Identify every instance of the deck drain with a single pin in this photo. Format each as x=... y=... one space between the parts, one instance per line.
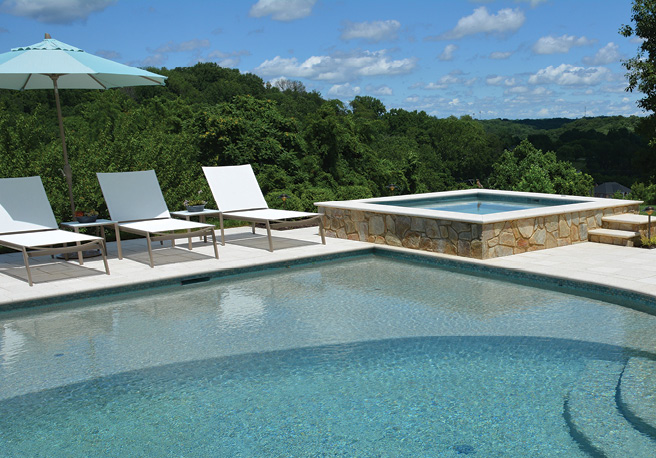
x=191 y=281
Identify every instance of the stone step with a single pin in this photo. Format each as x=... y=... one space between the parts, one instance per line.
x=637 y=395
x=594 y=419
x=614 y=237
x=629 y=222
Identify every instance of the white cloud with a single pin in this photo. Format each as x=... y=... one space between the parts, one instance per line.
x=562 y=44
x=480 y=21
x=228 y=60
x=344 y=90
x=371 y=31
x=191 y=45
x=498 y=55
x=533 y=3
x=282 y=10
x=569 y=75
x=499 y=80
x=338 y=67
x=112 y=55
x=380 y=90
x=54 y=11
x=606 y=55
x=447 y=54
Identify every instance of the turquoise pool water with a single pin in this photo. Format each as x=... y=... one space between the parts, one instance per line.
x=480 y=204
x=362 y=357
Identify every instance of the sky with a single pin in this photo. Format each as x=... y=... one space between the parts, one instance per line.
x=510 y=59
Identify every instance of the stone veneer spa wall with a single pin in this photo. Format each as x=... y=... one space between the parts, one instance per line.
x=480 y=240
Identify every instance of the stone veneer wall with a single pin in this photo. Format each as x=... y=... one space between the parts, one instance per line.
x=472 y=240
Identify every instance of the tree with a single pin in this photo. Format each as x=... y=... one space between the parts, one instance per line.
x=528 y=169
x=641 y=69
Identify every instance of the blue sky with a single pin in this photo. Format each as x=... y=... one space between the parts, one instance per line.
x=507 y=58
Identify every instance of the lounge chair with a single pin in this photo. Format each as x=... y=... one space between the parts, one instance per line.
x=239 y=197
x=135 y=200
x=27 y=224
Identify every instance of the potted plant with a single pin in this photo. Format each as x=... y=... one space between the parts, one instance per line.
x=86 y=216
x=195 y=205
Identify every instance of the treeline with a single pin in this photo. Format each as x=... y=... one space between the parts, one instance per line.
x=300 y=144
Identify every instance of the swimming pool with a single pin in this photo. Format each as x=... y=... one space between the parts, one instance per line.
x=358 y=357
x=480 y=203
x=474 y=223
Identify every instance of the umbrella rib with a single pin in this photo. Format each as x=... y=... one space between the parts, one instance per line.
x=152 y=80
x=96 y=80
x=26 y=81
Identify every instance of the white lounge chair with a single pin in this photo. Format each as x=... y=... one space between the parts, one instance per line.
x=27 y=224
x=135 y=200
x=239 y=197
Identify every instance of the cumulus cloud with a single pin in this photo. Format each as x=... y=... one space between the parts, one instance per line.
x=113 y=55
x=481 y=21
x=533 y=3
x=344 y=90
x=190 y=45
x=606 y=55
x=380 y=90
x=228 y=60
x=372 y=32
x=54 y=11
x=569 y=75
x=282 y=10
x=499 y=80
x=498 y=55
x=559 y=45
x=338 y=67
x=447 y=54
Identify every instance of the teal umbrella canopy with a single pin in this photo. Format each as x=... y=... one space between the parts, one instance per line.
x=52 y=64
x=32 y=67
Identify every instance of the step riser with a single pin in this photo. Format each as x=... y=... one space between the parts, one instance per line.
x=614 y=240
x=642 y=228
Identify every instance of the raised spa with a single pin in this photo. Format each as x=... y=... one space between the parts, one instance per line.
x=475 y=223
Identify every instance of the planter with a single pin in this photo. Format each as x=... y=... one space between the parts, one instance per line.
x=86 y=219
x=195 y=208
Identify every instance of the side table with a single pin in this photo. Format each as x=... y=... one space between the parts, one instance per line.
x=101 y=223
x=201 y=216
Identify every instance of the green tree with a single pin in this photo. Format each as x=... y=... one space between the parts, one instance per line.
x=528 y=169
x=641 y=69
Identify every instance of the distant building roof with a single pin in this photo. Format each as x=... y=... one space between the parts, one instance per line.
x=609 y=188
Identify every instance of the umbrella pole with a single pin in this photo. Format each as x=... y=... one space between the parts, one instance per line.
x=67 y=168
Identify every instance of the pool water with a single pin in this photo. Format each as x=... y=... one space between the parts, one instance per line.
x=362 y=357
x=480 y=204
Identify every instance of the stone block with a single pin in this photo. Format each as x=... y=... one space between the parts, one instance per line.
x=349 y=226
x=402 y=226
x=431 y=229
x=507 y=238
x=538 y=238
x=357 y=215
x=526 y=227
x=563 y=227
x=341 y=233
x=444 y=231
x=412 y=240
x=494 y=241
x=354 y=236
x=477 y=249
x=376 y=225
x=501 y=250
x=417 y=224
x=464 y=248
x=461 y=227
x=392 y=240
x=551 y=223
x=453 y=235
x=390 y=221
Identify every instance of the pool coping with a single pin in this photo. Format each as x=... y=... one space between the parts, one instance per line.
x=371 y=205
x=626 y=297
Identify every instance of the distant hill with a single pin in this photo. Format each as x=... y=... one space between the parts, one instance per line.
x=555 y=127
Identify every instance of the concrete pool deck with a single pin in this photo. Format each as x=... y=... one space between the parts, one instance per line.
x=627 y=268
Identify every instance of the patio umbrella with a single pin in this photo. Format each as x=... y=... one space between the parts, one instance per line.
x=52 y=64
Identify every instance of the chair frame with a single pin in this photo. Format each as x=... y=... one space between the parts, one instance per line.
x=143 y=188
x=252 y=199
x=40 y=222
